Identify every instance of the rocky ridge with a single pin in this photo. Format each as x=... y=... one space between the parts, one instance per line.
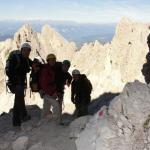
x=122 y=124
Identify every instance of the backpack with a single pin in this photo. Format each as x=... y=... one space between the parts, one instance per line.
x=34 y=75
x=9 y=83
x=87 y=84
x=11 y=55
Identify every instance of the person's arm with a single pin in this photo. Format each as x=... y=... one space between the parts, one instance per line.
x=69 y=79
x=72 y=92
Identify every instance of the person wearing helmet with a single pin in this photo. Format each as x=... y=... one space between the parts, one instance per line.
x=67 y=77
x=81 y=89
x=17 y=66
x=63 y=78
x=47 y=82
x=25 y=49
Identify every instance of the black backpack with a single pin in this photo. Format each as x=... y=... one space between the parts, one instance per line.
x=11 y=55
x=9 y=82
x=34 y=75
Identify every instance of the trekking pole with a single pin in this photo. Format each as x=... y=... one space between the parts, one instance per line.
x=6 y=87
x=30 y=93
x=40 y=56
x=6 y=81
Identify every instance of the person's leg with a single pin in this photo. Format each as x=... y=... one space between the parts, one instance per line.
x=55 y=108
x=84 y=109
x=46 y=107
x=60 y=101
x=19 y=109
x=78 y=109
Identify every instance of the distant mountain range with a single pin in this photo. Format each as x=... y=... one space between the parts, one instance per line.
x=72 y=31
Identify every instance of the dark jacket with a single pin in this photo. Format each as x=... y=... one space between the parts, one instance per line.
x=81 y=90
x=61 y=77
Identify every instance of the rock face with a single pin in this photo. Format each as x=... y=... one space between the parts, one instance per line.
x=48 y=41
x=20 y=143
x=53 y=42
x=126 y=124
x=112 y=65
x=35 y=134
x=109 y=66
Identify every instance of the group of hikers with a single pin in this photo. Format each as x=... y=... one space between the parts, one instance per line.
x=49 y=79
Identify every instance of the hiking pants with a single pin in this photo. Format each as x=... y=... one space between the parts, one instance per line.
x=60 y=101
x=48 y=102
x=82 y=109
x=19 y=109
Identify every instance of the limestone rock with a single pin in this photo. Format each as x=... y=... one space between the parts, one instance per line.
x=48 y=41
x=123 y=127
x=114 y=64
x=20 y=143
x=52 y=42
x=77 y=126
x=37 y=146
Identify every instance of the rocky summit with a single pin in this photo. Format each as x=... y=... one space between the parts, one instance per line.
x=120 y=108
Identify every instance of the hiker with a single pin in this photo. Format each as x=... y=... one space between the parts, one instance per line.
x=63 y=78
x=146 y=67
x=48 y=89
x=17 y=66
x=81 y=89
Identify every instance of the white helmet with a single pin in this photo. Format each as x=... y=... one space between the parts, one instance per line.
x=26 y=45
x=75 y=72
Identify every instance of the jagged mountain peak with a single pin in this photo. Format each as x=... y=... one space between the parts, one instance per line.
x=125 y=20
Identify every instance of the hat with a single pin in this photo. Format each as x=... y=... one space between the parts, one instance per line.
x=26 y=45
x=75 y=72
x=67 y=62
x=50 y=56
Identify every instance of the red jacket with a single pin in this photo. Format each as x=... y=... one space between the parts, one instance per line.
x=47 y=80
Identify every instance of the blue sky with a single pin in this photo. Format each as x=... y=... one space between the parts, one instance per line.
x=84 y=11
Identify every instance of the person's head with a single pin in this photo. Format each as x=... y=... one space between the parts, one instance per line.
x=75 y=74
x=25 y=49
x=66 y=65
x=148 y=41
x=51 y=59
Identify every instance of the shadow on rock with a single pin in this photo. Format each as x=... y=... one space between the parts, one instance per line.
x=6 y=118
x=102 y=100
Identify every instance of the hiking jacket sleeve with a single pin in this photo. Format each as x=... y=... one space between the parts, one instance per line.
x=68 y=79
x=73 y=91
x=47 y=81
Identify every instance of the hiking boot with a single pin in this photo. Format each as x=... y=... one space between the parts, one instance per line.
x=26 y=118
